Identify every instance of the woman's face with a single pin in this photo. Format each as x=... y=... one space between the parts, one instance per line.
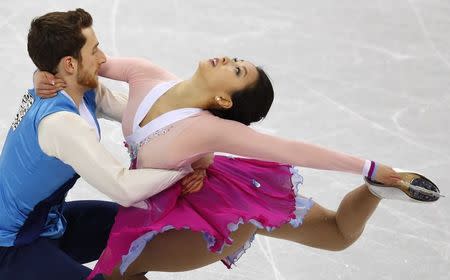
x=227 y=75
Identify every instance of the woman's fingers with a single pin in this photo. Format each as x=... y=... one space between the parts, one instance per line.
x=387 y=175
x=50 y=78
x=56 y=87
x=60 y=85
x=47 y=85
x=47 y=93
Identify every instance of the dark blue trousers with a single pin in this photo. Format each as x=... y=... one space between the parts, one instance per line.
x=88 y=226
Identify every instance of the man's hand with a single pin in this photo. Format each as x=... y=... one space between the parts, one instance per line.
x=204 y=162
x=46 y=84
x=193 y=182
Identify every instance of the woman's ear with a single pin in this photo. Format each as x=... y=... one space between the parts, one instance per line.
x=223 y=101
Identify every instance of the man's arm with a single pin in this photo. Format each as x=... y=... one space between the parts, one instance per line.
x=110 y=105
x=68 y=137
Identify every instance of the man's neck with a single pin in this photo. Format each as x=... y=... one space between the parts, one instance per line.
x=76 y=92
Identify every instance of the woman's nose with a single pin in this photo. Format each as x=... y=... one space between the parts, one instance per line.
x=225 y=60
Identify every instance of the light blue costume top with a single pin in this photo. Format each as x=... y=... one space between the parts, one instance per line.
x=33 y=185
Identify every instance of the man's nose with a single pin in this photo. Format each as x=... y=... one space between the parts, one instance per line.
x=102 y=57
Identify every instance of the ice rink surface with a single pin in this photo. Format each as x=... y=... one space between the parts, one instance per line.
x=371 y=78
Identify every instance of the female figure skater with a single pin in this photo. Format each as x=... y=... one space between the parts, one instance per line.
x=169 y=123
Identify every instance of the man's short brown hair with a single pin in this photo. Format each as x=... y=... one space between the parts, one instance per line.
x=56 y=35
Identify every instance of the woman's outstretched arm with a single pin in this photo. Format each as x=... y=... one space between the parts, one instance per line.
x=212 y=134
x=139 y=73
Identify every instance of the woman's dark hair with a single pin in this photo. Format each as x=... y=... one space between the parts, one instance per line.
x=250 y=104
x=56 y=35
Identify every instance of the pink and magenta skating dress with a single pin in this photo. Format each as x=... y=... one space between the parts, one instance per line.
x=236 y=190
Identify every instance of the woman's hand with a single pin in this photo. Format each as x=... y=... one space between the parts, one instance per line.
x=46 y=84
x=386 y=175
x=193 y=182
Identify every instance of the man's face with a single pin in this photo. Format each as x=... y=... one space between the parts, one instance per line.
x=91 y=59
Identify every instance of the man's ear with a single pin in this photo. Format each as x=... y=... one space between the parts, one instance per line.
x=224 y=101
x=69 y=64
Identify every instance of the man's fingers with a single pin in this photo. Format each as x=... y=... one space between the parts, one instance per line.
x=194 y=175
x=188 y=180
x=200 y=172
x=191 y=179
x=188 y=185
x=193 y=182
x=193 y=187
x=198 y=186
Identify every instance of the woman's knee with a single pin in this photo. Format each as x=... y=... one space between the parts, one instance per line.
x=346 y=240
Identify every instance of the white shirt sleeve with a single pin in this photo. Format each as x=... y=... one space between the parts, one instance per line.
x=68 y=137
x=110 y=105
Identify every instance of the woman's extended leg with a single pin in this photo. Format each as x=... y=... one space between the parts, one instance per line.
x=180 y=250
x=329 y=230
x=184 y=250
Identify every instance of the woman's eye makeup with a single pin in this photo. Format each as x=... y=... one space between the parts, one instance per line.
x=238 y=69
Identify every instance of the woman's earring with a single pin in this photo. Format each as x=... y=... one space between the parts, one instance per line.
x=217 y=98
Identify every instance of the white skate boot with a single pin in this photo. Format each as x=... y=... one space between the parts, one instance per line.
x=415 y=187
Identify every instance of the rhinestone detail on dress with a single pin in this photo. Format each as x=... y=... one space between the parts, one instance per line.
x=133 y=149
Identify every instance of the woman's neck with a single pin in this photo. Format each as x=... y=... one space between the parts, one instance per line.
x=185 y=94
x=188 y=94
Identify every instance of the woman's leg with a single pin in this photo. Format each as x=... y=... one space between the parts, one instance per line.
x=329 y=230
x=175 y=251
x=180 y=250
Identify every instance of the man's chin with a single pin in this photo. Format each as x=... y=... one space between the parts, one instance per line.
x=94 y=83
x=90 y=84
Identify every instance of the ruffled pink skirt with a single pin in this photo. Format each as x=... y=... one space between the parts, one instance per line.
x=236 y=191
